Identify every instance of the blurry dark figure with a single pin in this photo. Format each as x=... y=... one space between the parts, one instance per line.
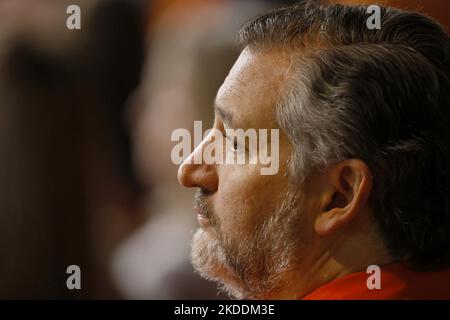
x=66 y=190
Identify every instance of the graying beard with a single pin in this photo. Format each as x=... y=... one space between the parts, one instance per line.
x=251 y=273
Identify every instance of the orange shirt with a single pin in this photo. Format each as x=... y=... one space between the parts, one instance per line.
x=397 y=282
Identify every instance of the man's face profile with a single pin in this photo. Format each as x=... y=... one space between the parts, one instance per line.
x=244 y=223
x=257 y=231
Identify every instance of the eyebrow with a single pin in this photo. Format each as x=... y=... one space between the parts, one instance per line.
x=226 y=116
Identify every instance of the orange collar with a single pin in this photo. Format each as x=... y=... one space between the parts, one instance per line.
x=397 y=282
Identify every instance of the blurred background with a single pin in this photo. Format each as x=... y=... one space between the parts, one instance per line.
x=85 y=123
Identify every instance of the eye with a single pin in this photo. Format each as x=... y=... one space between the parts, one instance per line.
x=235 y=144
x=236 y=147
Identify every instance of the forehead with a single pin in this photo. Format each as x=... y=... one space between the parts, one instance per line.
x=253 y=87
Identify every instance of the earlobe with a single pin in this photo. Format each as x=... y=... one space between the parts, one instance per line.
x=347 y=189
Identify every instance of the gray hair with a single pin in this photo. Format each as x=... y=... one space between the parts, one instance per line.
x=378 y=95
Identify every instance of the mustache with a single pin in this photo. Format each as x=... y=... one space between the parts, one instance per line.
x=200 y=202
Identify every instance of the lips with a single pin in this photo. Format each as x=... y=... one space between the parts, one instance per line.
x=201 y=217
x=204 y=213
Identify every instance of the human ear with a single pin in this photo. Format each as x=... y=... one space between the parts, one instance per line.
x=346 y=193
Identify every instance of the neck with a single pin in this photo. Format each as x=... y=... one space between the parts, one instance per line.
x=350 y=251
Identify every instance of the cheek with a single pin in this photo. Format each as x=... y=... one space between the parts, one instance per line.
x=245 y=198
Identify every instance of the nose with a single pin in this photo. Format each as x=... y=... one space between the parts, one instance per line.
x=193 y=175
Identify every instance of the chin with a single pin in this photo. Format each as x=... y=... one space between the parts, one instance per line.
x=209 y=258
